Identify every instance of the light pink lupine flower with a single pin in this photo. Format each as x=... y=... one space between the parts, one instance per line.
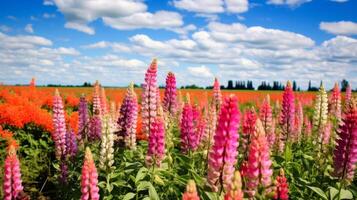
x=348 y=94
x=223 y=155
x=345 y=153
x=103 y=102
x=12 y=183
x=149 y=98
x=266 y=116
x=258 y=170
x=156 y=147
x=170 y=96
x=235 y=188
x=287 y=112
x=299 y=120
x=210 y=128
x=96 y=99
x=335 y=103
x=217 y=95
x=89 y=179
x=59 y=125
x=327 y=134
x=307 y=127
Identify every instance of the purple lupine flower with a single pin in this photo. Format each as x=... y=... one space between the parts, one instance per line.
x=345 y=153
x=64 y=172
x=170 y=103
x=95 y=128
x=149 y=98
x=156 y=147
x=71 y=144
x=83 y=120
x=223 y=155
x=59 y=124
x=128 y=116
x=287 y=116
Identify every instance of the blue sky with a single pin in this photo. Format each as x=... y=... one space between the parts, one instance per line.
x=72 y=41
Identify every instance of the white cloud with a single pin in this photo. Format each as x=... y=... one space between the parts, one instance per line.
x=48 y=3
x=48 y=15
x=4 y=28
x=158 y=20
x=202 y=71
x=29 y=28
x=80 y=27
x=118 y=47
x=212 y=6
x=291 y=3
x=339 y=1
x=340 y=28
x=21 y=41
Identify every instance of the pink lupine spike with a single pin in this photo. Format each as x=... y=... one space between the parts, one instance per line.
x=326 y=134
x=170 y=96
x=59 y=124
x=128 y=116
x=348 y=94
x=345 y=153
x=266 y=116
x=258 y=169
x=248 y=129
x=217 y=95
x=299 y=120
x=281 y=187
x=156 y=148
x=96 y=99
x=103 y=102
x=210 y=128
x=187 y=129
x=149 y=98
x=89 y=179
x=335 y=103
x=12 y=183
x=307 y=127
x=287 y=112
x=235 y=188
x=223 y=154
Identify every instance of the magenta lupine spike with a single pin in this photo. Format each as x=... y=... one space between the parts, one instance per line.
x=248 y=129
x=170 y=97
x=266 y=116
x=83 y=117
x=217 y=95
x=156 y=147
x=128 y=116
x=96 y=99
x=89 y=179
x=59 y=125
x=103 y=102
x=223 y=154
x=348 y=94
x=149 y=98
x=345 y=153
x=299 y=120
x=201 y=128
x=335 y=103
x=95 y=128
x=187 y=129
x=287 y=116
x=258 y=170
x=12 y=183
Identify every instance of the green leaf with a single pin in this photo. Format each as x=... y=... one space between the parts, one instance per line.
x=152 y=193
x=333 y=193
x=129 y=196
x=346 y=194
x=318 y=191
x=143 y=185
x=141 y=174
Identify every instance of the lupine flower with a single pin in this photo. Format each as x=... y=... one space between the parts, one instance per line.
x=223 y=155
x=170 y=97
x=307 y=127
x=103 y=102
x=299 y=120
x=321 y=109
x=345 y=153
x=12 y=183
x=83 y=121
x=335 y=103
x=326 y=134
x=107 y=142
x=266 y=116
x=96 y=99
x=71 y=144
x=348 y=94
x=95 y=128
x=210 y=128
x=282 y=187
x=128 y=118
x=156 y=148
x=287 y=111
x=64 y=171
x=235 y=188
x=113 y=112
x=248 y=129
x=89 y=179
x=187 y=129
x=191 y=191
x=59 y=124
x=217 y=96
x=149 y=98
x=258 y=170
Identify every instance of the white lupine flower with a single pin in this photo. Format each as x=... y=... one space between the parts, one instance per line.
x=106 y=160
x=321 y=109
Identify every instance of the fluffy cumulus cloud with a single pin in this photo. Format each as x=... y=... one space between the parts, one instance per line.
x=201 y=71
x=29 y=28
x=291 y=3
x=212 y=6
x=121 y=14
x=340 y=28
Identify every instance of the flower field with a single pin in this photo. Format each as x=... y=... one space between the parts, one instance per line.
x=150 y=143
